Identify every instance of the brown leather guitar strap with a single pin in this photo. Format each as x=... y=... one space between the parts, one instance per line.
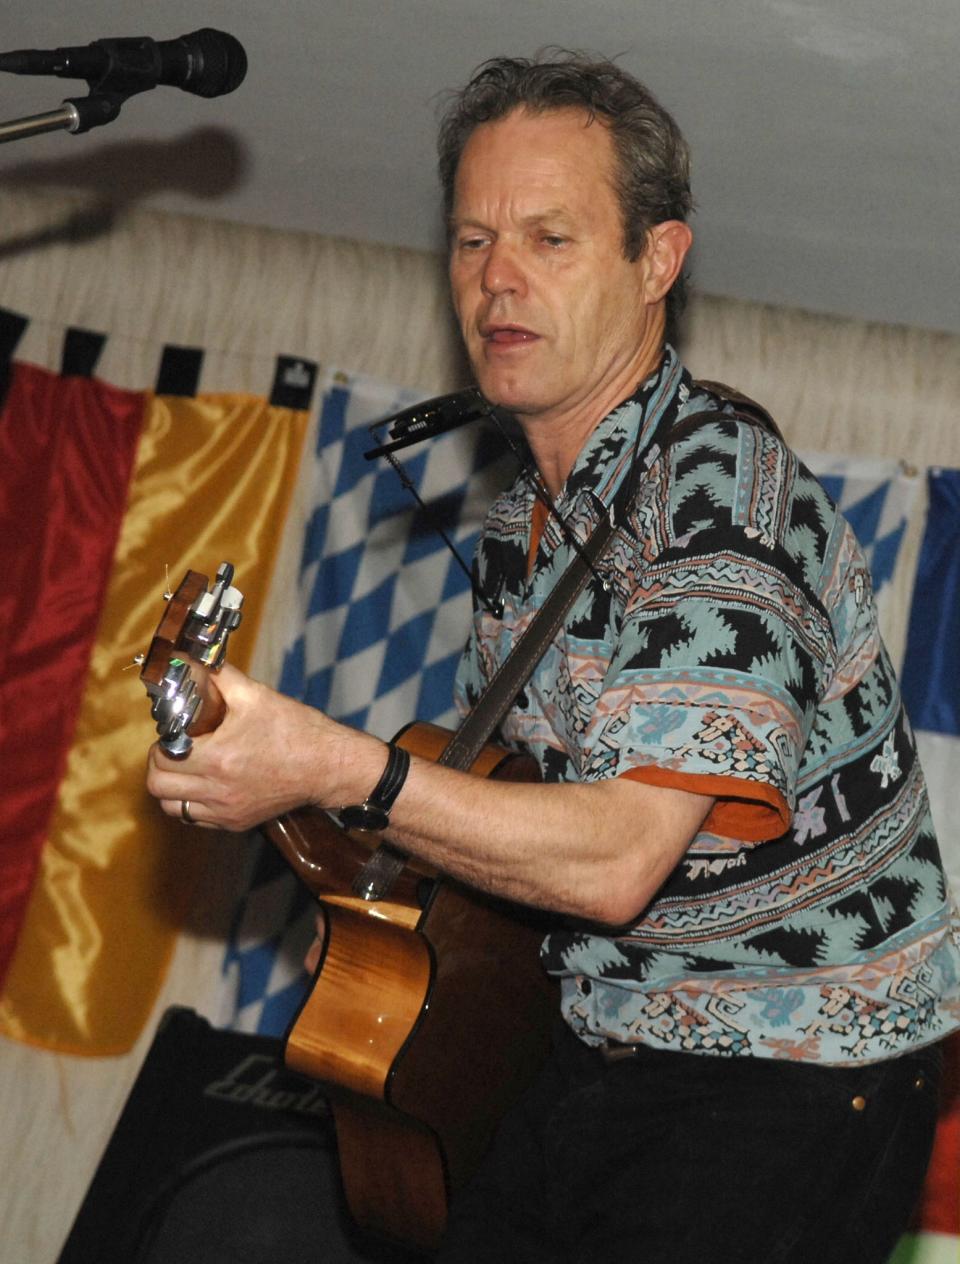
x=516 y=669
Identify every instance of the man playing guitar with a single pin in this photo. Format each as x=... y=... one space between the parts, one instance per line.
x=755 y=951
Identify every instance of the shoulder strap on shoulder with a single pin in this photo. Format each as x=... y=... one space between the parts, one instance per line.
x=744 y=407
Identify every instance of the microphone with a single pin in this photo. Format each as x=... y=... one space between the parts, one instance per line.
x=208 y=63
x=429 y=418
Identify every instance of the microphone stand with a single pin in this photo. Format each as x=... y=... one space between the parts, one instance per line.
x=77 y=114
x=34 y=124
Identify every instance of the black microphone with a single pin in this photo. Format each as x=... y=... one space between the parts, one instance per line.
x=208 y=63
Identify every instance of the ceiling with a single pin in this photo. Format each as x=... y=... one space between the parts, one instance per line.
x=824 y=132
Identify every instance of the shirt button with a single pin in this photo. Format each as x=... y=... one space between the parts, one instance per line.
x=859 y=1103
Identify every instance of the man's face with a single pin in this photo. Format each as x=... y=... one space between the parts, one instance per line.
x=551 y=312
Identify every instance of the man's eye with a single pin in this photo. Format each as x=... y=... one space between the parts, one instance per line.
x=472 y=243
x=553 y=239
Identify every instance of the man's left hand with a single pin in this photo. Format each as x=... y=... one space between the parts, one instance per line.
x=270 y=754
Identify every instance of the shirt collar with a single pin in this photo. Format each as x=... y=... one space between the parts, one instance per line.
x=606 y=457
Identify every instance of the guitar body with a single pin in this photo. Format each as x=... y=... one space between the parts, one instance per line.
x=429 y=1011
x=428 y=1015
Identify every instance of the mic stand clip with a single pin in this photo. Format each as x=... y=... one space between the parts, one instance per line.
x=133 y=66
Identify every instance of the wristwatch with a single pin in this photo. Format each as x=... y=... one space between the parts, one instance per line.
x=374 y=812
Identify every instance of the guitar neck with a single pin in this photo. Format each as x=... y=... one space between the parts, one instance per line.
x=185 y=653
x=212 y=706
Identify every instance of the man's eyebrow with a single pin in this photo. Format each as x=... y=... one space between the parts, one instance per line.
x=463 y=221
x=553 y=215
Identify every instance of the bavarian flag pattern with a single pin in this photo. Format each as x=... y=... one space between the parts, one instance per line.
x=728 y=646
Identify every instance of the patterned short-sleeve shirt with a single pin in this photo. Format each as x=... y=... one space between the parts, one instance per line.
x=728 y=645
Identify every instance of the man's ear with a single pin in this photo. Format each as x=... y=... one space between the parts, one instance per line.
x=664 y=252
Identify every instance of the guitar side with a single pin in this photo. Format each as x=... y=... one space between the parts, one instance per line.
x=424 y=1028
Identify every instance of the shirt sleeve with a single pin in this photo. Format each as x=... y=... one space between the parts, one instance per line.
x=716 y=678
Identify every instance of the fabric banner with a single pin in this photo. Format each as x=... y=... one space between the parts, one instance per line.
x=210 y=482
x=383 y=612
x=67 y=449
x=878 y=498
x=931 y=687
x=931 y=673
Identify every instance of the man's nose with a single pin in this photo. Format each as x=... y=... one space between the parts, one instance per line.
x=503 y=271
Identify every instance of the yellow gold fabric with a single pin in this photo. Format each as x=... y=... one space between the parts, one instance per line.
x=211 y=484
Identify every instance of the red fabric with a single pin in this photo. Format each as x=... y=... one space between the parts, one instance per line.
x=67 y=447
x=939 y=1210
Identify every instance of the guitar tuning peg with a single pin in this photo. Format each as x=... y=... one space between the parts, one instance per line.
x=139 y=659
x=167 y=595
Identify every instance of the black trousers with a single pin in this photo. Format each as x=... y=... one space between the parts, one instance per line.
x=693 y=1159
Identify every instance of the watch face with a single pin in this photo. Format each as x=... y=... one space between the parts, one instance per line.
x=364 y=816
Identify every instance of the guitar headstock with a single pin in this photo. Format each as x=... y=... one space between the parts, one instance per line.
x=189 y=643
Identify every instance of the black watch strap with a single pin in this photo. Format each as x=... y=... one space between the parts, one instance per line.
x=374 y=812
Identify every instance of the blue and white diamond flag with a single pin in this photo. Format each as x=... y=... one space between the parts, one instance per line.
x=383 y=610
x=878 y=497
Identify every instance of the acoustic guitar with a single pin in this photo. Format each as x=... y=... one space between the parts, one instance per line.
x=429 y=1011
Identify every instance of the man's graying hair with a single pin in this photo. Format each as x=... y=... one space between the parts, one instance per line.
x=652 y=178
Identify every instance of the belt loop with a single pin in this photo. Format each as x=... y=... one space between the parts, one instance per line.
x=615 y=1051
